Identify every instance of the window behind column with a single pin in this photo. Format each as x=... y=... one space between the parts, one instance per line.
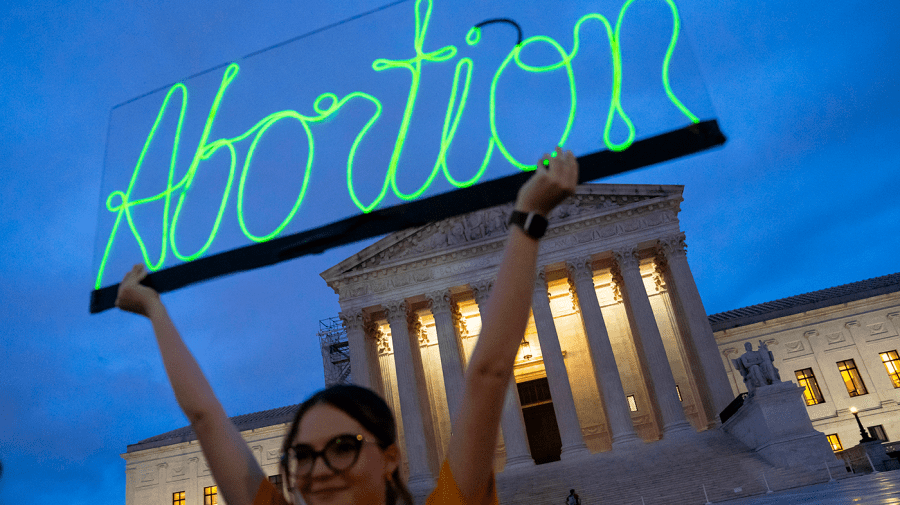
x=211 y=495
x=807 y=379
x=835 y=442
x=632 y=403
x=891 y=362
x=852 y=379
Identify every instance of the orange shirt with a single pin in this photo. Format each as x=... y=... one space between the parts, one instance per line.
x=445 y=493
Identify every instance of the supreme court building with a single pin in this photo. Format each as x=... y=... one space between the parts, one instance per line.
x=618 y=349
x=619 y=356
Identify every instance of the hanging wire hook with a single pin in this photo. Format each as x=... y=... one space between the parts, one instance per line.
x=503 y=20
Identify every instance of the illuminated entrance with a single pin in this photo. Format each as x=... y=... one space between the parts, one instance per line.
x=540 y=420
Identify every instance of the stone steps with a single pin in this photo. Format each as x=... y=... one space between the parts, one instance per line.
x=664 y=472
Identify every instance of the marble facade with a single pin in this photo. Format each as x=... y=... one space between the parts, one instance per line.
x=615 y=314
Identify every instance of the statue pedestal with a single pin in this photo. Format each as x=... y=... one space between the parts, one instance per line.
x=773 y=422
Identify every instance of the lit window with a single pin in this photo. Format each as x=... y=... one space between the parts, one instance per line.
x=835 y=442
x=852 y=380
x=275 y=480
x=211 y=495
x=178 y=498
x=632 y=403
x=812 y=394
x=877 y=432
x=678 y=390
x=892 y=363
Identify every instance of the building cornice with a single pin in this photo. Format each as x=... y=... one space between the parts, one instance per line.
x=770 y=312
x=469 y=243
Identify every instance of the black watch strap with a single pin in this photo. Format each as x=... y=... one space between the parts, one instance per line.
x=533 y=224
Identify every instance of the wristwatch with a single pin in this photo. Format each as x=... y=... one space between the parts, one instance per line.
x=533 y=224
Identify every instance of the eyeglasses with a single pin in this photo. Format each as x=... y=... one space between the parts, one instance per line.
x=339 y=454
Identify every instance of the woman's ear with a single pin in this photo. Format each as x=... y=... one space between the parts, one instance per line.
x=391 y=459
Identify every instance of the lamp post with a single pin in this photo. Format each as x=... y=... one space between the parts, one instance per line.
x=862 y=431
x=526 y=349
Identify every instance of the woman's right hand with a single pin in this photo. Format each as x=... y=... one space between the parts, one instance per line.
x=135 y=297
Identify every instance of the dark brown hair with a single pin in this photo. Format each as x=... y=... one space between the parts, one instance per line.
x=369 y=410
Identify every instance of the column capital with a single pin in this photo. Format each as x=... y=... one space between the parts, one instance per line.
x=660 y=265
x=396 y=310
x=415 y=326
x=372 y=328
x=482 y=291
x=573 y=293
x=581 y=268
x=459 y=320
x=540 y=281
x=440 y=301
x=673 y=246
x=382 y=340
x=383 y=343
x=353 y=319
x=618 y=282
x=626 y=257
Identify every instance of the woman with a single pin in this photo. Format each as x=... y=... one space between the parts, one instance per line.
x=342 y=447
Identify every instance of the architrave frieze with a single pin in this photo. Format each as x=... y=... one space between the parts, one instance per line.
x=466 y=248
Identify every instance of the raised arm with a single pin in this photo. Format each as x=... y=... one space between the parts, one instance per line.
x=231 y=462
x=474 y=439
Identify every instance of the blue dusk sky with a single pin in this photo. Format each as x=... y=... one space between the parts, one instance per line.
x=802 y=197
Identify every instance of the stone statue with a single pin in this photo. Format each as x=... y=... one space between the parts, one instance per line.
x=757 y=367
x=769 y=370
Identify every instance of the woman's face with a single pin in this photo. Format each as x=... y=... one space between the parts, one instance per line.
x=361 y=484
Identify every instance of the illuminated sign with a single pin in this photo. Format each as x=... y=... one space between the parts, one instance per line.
x=385 y=143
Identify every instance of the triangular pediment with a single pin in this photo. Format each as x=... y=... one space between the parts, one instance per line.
x=490 y=225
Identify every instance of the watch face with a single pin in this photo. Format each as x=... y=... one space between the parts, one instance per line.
x=538 y=226
x=534 y=225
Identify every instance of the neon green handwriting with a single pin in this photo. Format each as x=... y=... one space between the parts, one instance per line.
x=328 y=105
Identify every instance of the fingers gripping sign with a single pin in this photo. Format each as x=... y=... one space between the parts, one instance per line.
x=134 y=296
x=554 y=179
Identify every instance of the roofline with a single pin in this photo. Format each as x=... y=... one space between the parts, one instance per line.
x=806 y=302
x=244 y=422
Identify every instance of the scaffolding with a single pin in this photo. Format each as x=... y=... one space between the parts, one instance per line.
x=335 y=351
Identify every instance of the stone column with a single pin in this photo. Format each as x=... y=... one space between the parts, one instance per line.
x=372 y=332
x=648 y=342
x=518 y=454
x=406 y=360
x=362 y=368
x=557 y=376
x=695 y=330
x=449 y=348
x=606 y=372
